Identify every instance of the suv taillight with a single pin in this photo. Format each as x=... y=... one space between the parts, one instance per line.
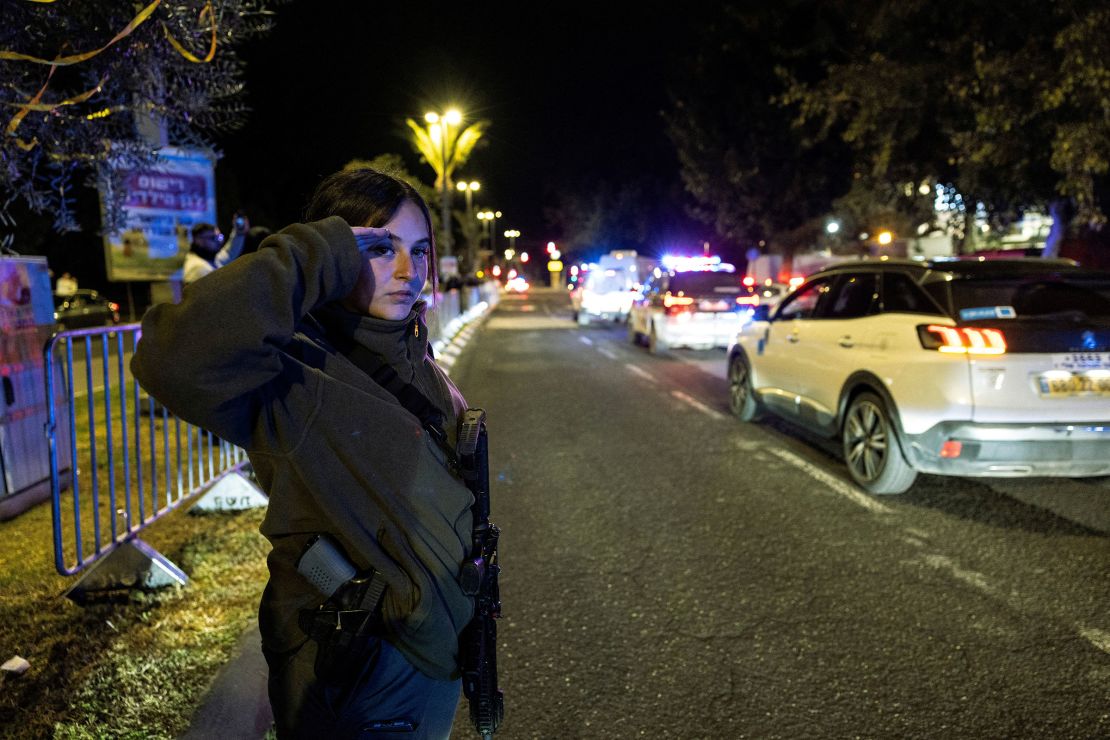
x=673 y=304
x=964 y=340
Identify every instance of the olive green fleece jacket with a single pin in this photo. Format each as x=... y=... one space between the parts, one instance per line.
x=242 y=357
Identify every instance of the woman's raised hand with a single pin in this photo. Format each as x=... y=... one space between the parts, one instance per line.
x=368 y=236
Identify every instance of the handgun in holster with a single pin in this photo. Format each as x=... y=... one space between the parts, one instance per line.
x=350 y=608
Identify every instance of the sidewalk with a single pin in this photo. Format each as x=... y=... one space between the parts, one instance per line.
x=236 y=706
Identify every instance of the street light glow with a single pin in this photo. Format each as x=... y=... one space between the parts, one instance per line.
x=885 y=237
x=431 y=117
x=832 y=227
x=453 y=117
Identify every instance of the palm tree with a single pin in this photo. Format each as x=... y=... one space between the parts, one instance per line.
x=445 y=145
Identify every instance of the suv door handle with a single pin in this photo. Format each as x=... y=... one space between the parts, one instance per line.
x=846 y=341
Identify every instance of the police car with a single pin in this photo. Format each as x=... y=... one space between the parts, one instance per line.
x=697 y=302
x=998 y=368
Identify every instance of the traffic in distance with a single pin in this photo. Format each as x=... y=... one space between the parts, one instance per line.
x=996 y=368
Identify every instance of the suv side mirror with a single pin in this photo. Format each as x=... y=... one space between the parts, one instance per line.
x=762 y=312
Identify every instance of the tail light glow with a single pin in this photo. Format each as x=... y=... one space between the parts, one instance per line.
x=676 y=300
x=964 y=340
x=747 y=300
x=951 y=448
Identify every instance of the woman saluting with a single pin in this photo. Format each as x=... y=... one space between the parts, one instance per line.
x=266 y=353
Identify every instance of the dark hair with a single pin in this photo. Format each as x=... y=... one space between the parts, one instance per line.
x=254 y=238
x=200 y=227
x=366 y=197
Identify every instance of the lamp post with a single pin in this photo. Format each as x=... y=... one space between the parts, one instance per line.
x=468 y=189
x=512 y=234
x=490 y=220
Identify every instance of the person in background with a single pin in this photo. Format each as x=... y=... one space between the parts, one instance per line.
x=208 y=251
x=302 y=354
x=66 y=285
x=255 y=237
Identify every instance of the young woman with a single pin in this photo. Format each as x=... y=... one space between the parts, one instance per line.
x=271 y=353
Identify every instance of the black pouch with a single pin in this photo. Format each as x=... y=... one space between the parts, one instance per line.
x=343 y=656
x=347 y=638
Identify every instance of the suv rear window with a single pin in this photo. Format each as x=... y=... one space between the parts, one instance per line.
x=1035 y=296
x=608 y=281
x=706 y=283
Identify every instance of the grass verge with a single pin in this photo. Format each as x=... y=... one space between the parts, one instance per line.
x=131 y=666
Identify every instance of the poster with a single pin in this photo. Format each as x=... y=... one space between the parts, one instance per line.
x=161 y=205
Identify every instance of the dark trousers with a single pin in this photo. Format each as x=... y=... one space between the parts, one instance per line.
x=388 y=698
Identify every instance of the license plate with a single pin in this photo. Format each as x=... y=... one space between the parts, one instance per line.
x=1075 y=385
x=1078 y=361
x=713 y=306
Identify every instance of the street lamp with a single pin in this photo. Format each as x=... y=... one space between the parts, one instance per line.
x=512 y=234
x=468 y=189
x=490 y=220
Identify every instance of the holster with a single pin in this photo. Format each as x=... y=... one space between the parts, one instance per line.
x=347 y=639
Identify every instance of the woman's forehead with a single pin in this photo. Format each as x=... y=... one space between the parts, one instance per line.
x=408 y=223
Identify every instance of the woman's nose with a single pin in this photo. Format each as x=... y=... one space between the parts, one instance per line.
x=403 y=267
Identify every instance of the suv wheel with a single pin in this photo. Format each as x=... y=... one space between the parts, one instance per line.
x=656 y=345
x=871 y=448
x=633 y=335
x=741 y=400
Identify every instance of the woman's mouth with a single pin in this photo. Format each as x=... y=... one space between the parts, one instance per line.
x=400 y=295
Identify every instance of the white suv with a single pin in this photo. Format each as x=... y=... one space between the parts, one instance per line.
x=996 y=368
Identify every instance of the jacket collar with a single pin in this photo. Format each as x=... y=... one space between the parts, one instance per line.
x=402 y=343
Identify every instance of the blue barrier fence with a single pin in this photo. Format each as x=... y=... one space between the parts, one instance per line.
x=132 y=461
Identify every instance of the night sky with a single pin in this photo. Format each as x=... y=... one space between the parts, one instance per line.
x=574 y=95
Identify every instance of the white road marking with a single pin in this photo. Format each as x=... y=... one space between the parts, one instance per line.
x=585 y=340
x=1098 y=638
x=640 y=371
x=847 y=490
x=970 y=577
x=607 y=352
x=748 y=445
x=697 y=404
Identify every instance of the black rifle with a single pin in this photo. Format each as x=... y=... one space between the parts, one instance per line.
x=478 y=643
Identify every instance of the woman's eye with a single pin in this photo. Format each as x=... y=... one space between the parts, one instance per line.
x=420 y=252
x=381 y=249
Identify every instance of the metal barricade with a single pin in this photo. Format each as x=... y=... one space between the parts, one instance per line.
x=132 y=461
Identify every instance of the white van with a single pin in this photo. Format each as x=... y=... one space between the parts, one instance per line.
x=607 y=290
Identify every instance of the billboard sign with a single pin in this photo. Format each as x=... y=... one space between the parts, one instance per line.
x=161 y=204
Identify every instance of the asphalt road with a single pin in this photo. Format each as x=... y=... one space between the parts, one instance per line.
x=671 y=572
